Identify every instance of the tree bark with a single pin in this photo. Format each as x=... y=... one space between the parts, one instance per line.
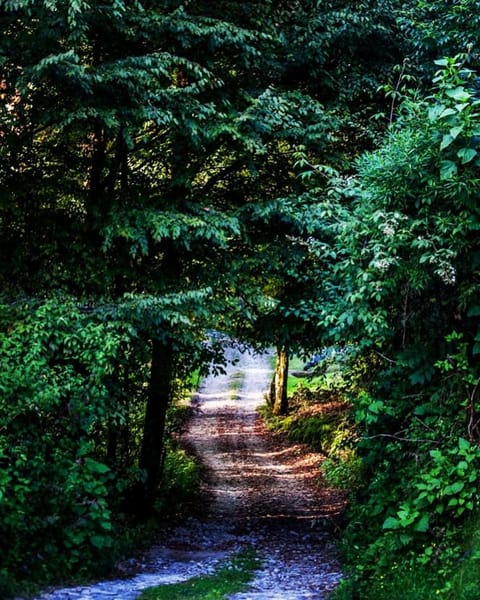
x=271 y=394
x=280 y=400
x=159 y=396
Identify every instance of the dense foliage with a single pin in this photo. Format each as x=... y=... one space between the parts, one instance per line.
x=408 y=266
x=168 y=168
x=147 y=170
x=134 y=154
x=59 y=415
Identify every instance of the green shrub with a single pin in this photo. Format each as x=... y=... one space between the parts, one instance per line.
x=343 y=470
x=180 y=479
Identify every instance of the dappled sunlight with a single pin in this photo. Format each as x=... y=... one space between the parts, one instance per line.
x=254 y=492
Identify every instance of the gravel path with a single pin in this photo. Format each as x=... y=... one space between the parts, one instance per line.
x=262 y=494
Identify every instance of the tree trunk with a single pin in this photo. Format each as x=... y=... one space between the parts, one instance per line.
x=280 y=400
x=96 y=187
x=159 y=396
x=271 y=394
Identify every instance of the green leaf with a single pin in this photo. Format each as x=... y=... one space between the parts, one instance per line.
x=454 y=488
x=96 y=467
x=391 y=523
x=448 y=170
x=423 y=524
x=455 y=131
x=448 y=112
x=466 y=155
x=474 y=311
x=459 y=94
x=435 y=112
x=461 y=106
x=376 y=407
x=446 y=141
x=98 y=541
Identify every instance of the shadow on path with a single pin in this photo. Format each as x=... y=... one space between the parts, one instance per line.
x=262 y=494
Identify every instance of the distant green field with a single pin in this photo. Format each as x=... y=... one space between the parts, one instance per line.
x=296 y=365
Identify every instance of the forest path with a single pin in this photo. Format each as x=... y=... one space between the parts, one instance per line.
x=263 y=494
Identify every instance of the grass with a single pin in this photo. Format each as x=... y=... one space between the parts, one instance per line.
x=327 y=379
x=230 y=578
x=235 y=384
x=295 y=364
x=407 y=583
x=410 y=585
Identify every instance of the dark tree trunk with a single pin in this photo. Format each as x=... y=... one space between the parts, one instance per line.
x=159 y=396
x=271 y=395
x=280 y=400
x=96 y=187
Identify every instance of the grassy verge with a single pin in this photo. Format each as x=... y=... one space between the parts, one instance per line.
x=231 y=578
x=317 y=416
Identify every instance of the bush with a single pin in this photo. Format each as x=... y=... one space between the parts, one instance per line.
x=59 y=482
x=180 y=480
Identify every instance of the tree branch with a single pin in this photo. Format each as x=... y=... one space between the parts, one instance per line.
x=400 y=439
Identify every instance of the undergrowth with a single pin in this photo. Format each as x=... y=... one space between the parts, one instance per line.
x=407 y=535
x=126 y=532
x=454 y=574
x=320 y=416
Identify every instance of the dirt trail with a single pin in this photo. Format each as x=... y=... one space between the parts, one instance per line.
x=262 y=494
x=251 y=476
x=265 y=491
